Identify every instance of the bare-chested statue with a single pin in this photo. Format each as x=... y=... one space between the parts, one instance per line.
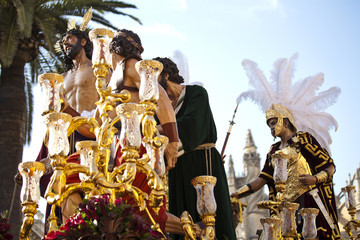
x=79 y=95
x=126 y=49
x=79 y=80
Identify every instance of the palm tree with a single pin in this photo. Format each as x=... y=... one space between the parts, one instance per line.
x=28 y=31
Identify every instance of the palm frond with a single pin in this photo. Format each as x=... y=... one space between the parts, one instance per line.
x=9 y=38
x=29 y=6
x=86 y=19
x=71 y=24
x=48 y=31
x=20 y=10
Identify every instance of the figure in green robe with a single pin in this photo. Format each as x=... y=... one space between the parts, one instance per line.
x=197 y=153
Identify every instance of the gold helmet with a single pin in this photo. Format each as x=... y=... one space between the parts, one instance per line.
x=279 y=112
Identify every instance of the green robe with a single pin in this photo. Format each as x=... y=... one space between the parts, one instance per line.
x=196 y=126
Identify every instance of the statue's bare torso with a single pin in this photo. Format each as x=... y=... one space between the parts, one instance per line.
x=80 y=89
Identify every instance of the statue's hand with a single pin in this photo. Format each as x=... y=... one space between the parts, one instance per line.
x=18 y=179
x=47 y=163
x=307 y=179
x=171 y=152
x=234 y=195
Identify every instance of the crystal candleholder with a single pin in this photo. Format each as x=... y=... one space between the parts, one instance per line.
x=88 y=152
x=288 y=227
x=149 y=71
x=156 y=155
x=31 y=173
x=51 y=84
x=101 y=39
x=130 y=115
x=280 y=170
x=204 y=186
x=271 y=228
x=309 y=230
x=58 y=124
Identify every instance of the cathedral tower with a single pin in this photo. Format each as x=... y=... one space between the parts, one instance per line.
x=251 y=216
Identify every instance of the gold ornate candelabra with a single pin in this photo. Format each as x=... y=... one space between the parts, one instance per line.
x=94 y=174
x=206 y=207
x=350 y=203
x=30 y=194
x=282 y=224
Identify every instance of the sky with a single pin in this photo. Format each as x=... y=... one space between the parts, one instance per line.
x=216 y=36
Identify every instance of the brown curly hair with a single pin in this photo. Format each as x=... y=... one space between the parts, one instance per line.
x=171 y=69
x=126 y=43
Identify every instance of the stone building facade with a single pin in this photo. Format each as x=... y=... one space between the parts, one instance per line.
x=251 y=215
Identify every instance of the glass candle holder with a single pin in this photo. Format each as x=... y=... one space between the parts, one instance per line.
x=309 y=230
x=280 y=169
x=349 y=196
x=156 y=155
x=31 y=173
x=88 y=152
x=101 y=39
x=130 y=115
x=149 y=71
x=288 y=209
x=160 y=165
x=204 y=186
x=51 y=84
x=271 y=228
x=58 y=124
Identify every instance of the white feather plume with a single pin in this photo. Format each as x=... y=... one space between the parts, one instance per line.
x=275 y=74
x=286 y=76
x=306 y=88
x=256 y=98
x=324 y=99
x=258 y=80
x=182 y=63
x=301 y=98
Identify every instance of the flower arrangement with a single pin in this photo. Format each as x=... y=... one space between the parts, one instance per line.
x=96 y=218
x=5 y=227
